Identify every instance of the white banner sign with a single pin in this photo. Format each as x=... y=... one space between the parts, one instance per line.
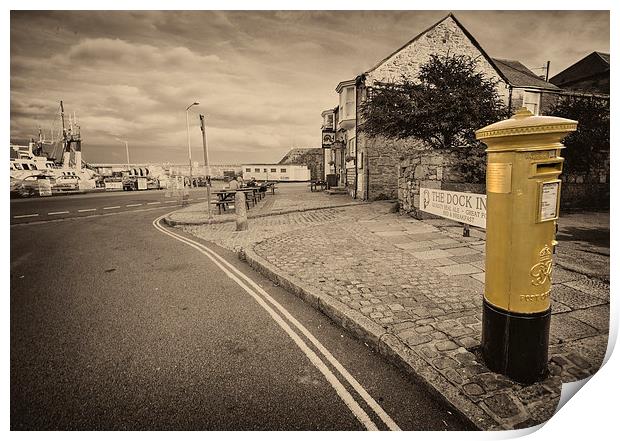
x=114 y=185
x=468 y=208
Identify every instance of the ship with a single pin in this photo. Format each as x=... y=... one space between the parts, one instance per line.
x=59 y=160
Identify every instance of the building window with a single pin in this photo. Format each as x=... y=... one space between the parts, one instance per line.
x=273 y=170
x=328 y=121
x=257 y=170
x=347 y=103
x=265 y=170
x=531 y=101
x=248 y=169
x=351 y=147
x=282 y=170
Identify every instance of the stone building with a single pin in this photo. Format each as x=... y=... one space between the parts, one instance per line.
x=308 y=156
x=369 y=167
x=588 y=75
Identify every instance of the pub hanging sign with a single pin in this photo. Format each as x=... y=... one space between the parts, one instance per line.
x=328 y=138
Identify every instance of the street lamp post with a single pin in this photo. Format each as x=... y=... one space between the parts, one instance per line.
x=189 y=146
x=205 y=147
x=126 y=151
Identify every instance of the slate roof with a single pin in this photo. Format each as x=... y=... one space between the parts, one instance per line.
x=604 y=56
x=520 y=76
x=595 y=63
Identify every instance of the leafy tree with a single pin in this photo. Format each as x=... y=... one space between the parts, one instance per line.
x=448 y=103
x=589 y=144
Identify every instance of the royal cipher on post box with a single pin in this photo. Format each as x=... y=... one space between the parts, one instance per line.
x=523 y=201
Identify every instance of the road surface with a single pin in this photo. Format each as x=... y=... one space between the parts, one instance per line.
x=118 y=324
x=84 y=205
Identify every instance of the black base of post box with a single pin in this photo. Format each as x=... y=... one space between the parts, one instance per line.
x=516 y=344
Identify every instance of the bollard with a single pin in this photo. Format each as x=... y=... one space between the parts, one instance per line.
x=241 y=211
x=209 y=213
x=523 y=201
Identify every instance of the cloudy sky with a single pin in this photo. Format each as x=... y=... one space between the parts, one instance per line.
x=262 y=78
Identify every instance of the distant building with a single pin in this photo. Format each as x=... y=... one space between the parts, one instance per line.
x=588 y=79
x=311 y=157
x=216 y=171
x=588 y=75
x=276 y=172
x=368 y=167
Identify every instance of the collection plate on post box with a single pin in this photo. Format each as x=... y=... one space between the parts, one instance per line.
x=549 y=200
x=499 y=177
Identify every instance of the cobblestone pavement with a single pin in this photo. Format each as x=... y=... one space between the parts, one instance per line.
x=422 y=283
x=287 y=198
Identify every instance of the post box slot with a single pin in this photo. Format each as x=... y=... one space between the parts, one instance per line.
x=548 y=167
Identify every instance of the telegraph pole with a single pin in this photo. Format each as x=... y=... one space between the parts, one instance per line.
x=205 y=149
x=189 y=147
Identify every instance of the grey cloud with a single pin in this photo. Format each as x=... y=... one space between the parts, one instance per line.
x=262 y=77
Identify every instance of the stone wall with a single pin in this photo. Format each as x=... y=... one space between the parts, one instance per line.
x=586 y=190
x=429 y=169
x=382 y=158
x=547 y=101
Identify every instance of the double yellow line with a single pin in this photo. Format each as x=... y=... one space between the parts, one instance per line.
x=294 y=329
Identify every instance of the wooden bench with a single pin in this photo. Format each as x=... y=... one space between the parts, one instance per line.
x=314 y=185
x=223 y=205
x=269 y=186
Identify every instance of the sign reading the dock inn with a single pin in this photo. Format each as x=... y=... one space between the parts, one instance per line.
x=468 y=208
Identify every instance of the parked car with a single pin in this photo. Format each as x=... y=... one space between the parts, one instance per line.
x=68 y=182
x=135 y=183
x=33 y=185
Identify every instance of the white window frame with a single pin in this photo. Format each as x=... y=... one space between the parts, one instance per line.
x=528 y=103
x=351 y=147
x=347 y=103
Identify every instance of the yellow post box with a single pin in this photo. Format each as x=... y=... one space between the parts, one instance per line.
x=523 y=201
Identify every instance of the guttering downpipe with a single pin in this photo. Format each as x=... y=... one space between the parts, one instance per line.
x=358 y=82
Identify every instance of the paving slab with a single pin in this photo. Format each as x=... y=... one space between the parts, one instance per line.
x=472 y=258
x=433 y=254
x=463 y=251
x=426 y=244
x=458 y=269
x=574 y=298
